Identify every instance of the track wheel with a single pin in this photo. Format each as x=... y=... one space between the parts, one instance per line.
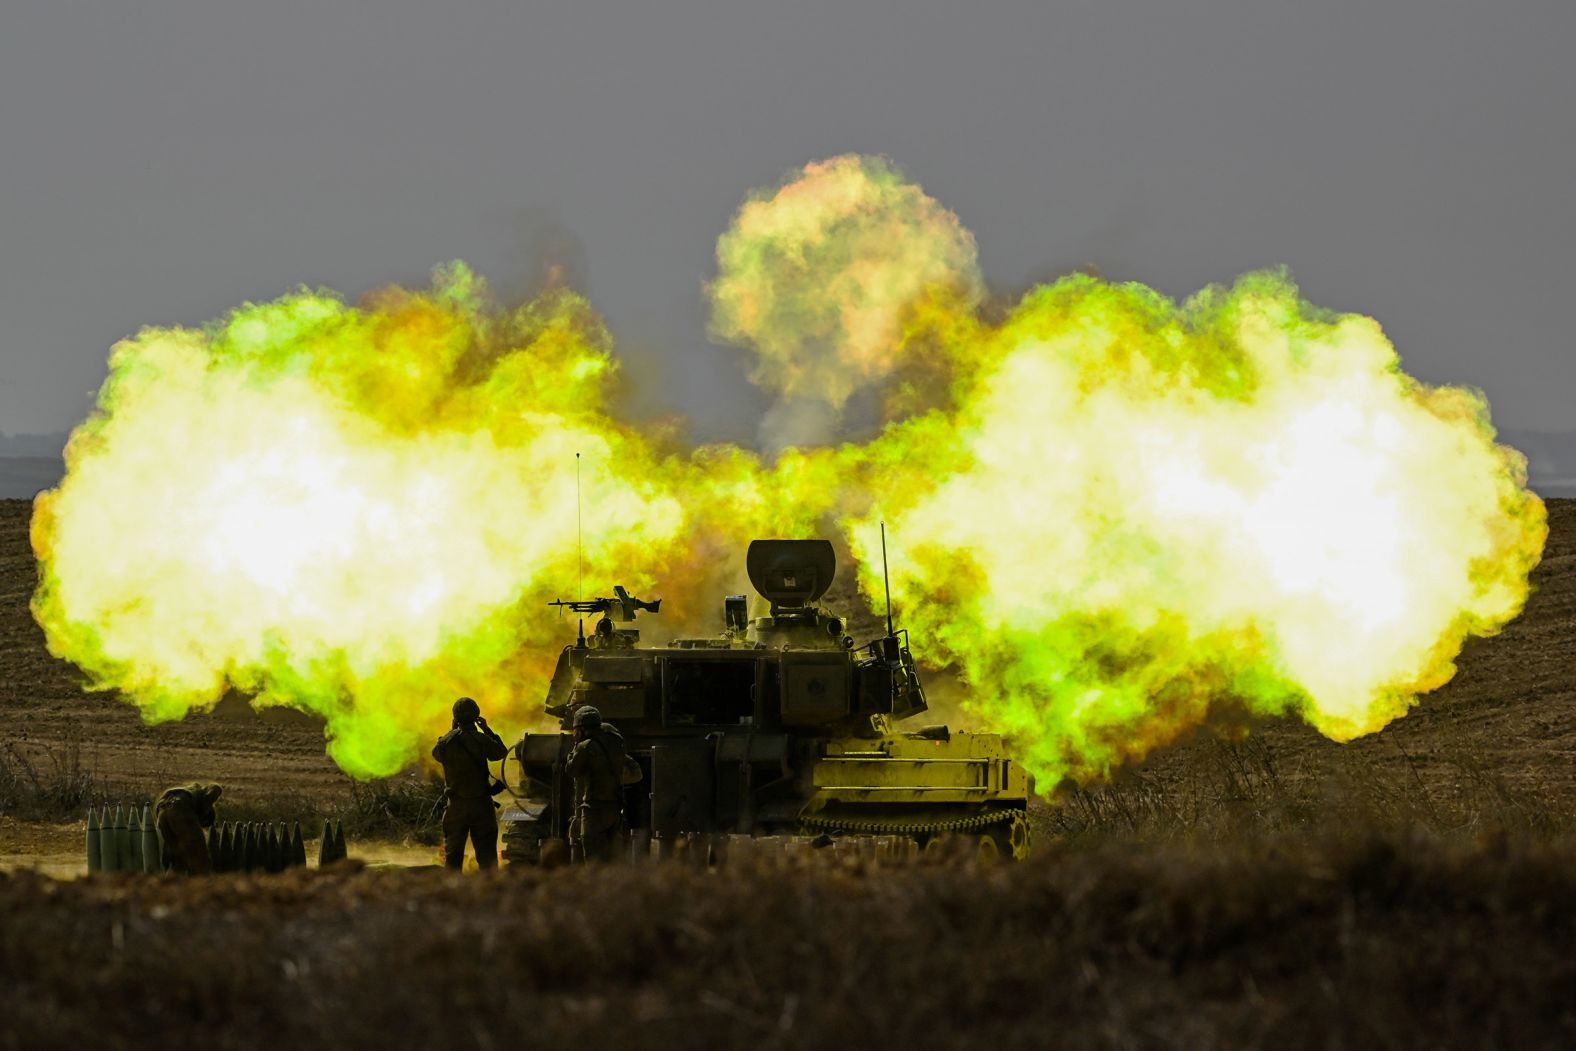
x=1007 y=841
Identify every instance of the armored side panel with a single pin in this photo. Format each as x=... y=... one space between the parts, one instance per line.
x=683 y=787
x=816 y=687
x=708 y=689
x=614 y=684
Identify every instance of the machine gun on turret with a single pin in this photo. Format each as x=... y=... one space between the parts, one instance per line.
x=622 y=607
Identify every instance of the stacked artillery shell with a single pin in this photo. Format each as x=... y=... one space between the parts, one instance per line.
x=133 y=855
x=243 y=847
x=152 y=858
x=106 y=841
x=297 y=847
x=109 y=847
x=95 y=862
x=258 y=846
x=276 y=851
x=123 y=858
x=332 y=848
x=126 y=841
x=216 y=847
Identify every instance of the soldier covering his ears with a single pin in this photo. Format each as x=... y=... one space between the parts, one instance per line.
x=464 y=752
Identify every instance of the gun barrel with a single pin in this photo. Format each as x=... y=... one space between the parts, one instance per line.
x=624 y=605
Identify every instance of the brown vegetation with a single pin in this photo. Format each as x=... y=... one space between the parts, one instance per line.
x=1388 y=942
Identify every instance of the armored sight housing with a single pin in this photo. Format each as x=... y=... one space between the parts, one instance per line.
x=776 y=726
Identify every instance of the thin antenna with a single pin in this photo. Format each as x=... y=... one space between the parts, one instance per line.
x=580 y=549
x=886 y=579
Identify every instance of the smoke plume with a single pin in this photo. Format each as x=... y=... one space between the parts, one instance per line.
x=1111 y=513
x=815 y=278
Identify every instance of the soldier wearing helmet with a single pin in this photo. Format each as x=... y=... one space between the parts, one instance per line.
x=601 y=767
x=464 y=752
x=183 y=812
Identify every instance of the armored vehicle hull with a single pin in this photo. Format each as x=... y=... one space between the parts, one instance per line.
x=777 y=726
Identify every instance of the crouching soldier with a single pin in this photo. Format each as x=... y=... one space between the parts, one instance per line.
x=601 y=767
x=464 y=752
x=182 y=813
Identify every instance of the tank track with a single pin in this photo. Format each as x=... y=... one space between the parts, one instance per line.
x=884 y=826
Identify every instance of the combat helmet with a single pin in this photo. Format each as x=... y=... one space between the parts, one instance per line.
x=466 y=710
x=587 y=718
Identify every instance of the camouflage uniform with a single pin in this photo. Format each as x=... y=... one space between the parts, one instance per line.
x=181 y=815
x=464 y=752
x=600 y=767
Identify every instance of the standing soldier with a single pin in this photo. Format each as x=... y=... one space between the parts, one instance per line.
x=181 y=814
x=601 y=768
x=464 y=752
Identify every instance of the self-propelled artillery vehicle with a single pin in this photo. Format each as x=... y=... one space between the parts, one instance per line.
x=776 y=726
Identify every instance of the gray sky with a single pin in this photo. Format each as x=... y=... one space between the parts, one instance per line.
x=162 y=162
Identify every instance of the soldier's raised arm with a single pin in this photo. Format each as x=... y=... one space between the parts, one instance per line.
x=205 y=797
x=492 y=745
